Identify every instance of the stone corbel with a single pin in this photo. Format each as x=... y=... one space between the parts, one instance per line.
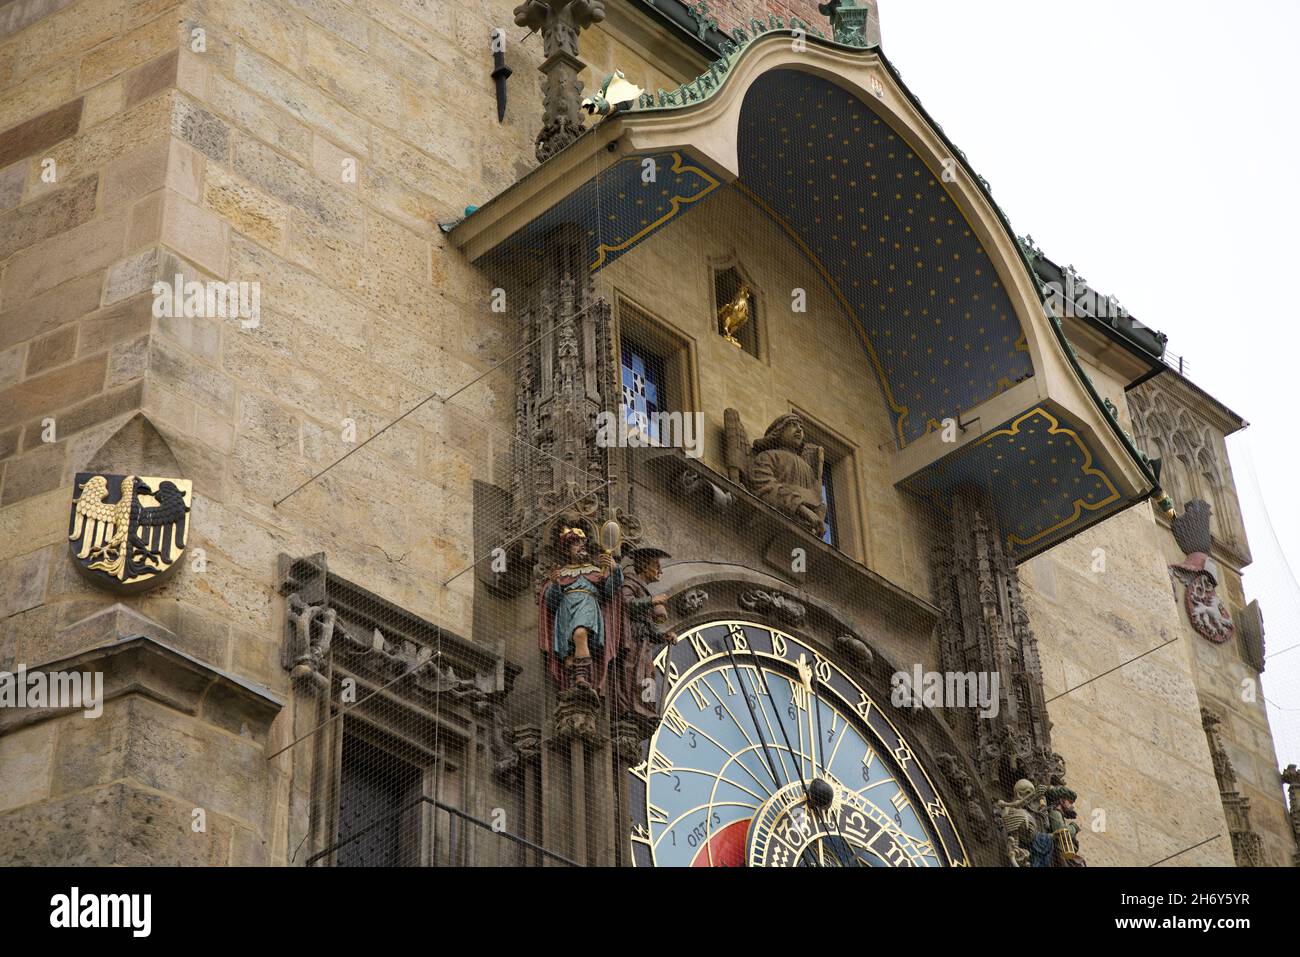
x=693 y=486
x=311 y=637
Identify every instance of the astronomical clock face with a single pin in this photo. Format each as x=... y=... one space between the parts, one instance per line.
x=769 y=755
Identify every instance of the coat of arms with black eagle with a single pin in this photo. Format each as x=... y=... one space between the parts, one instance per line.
x=128 y=532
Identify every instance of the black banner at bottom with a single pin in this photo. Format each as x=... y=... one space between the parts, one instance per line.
x=340 y=907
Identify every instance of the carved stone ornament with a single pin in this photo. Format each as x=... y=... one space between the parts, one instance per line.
x=577 y=715
x=628 y=735
x=961 y=782
x=325 y=633
x=780 y=468
x=565 y=377
x=1291 y=778
x=696 y=488
x=694 y=601
x=311 y=637
x=855 y=649
x=774 y=603
x=1205 y=610
x=560 y=22
x=527 y=741
x=127 y=533
x=1247 y=845
x=984 y=628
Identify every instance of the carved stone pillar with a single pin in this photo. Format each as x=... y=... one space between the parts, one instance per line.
x=564 y=382
x=984 y=627
x=562 y=476
x=1247 y=845
x=1291 y=778
x=560 y=22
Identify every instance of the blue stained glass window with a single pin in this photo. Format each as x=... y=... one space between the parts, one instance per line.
x=643 y=390
x=830 y=537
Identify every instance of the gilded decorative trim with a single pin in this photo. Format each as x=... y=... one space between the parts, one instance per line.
x=676 y=204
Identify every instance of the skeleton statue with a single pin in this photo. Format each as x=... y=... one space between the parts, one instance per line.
x=1024 y=820
x=1040 y=827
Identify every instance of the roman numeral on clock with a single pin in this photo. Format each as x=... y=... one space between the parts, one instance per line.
x=738 y=640
x=660 y=764
x=675 y=723
x=701 y=702
x=863 y=707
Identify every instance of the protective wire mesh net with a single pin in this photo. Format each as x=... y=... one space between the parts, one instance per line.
x=664 y=602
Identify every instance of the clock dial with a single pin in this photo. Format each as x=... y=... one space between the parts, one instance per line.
x=768 y=754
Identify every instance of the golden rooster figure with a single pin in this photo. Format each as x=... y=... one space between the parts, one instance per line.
x=733 y=316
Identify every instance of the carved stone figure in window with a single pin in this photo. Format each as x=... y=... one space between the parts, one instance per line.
x=781 y=468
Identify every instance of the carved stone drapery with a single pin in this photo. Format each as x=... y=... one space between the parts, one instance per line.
x=1247 y=845
x=984 y=628
x=560 y=22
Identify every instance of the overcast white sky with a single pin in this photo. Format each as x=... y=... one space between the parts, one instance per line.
x=1154 y=145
